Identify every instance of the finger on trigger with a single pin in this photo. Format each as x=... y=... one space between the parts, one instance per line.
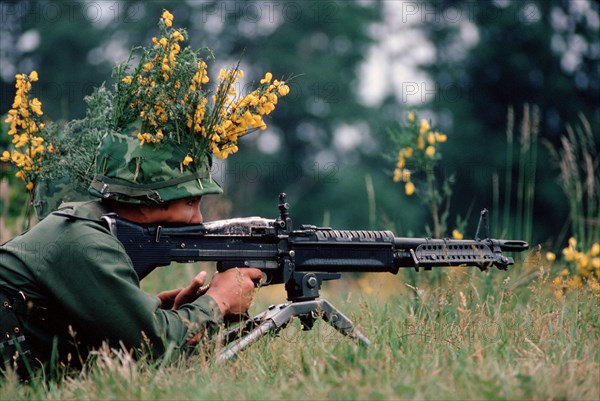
x=201 y=286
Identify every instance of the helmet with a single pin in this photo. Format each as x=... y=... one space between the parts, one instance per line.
x=51 y=193
x=128 y=172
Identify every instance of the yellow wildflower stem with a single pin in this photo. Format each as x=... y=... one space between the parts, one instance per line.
x=438 y=231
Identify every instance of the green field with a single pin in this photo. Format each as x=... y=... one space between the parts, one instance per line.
x=496 y=335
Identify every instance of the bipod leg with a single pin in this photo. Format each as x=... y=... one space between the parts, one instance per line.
x=273 y=319
x=340 y=322
x=278 y=316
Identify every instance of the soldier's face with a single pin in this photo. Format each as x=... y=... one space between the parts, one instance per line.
x=182 y=211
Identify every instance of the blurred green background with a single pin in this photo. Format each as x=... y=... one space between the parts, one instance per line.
x=360 y=67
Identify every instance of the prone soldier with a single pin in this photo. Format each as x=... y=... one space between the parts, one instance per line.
x=66 y=300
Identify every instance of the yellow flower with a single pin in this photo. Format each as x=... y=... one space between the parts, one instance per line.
x=569 y=254
x=575 y=282
x=397 y=175
x=167 y=18
x=33 y=76
x=564 y=272
x=267 y=78
x=283 y=90
x=259 y=123
x=595 y=251
x=440 y=137
x=550 y=256
x=411 y=117
x=457 y=234
x=582 y=261
x=187 y=160
x=409 y=188
x=5 y=156
x=16 y=103
x=572 y=242
x=177 y=36
x=430 y=151
x=557 y=282
x=223 y=74
x=127 y=79
x=405 y=175
x=424 y=127
x=431 y=138
x=29 y=186
x=36 y=107
x=401 y=162
x=21 y=175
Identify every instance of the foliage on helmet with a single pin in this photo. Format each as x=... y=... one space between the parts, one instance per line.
x=54 y=159
x=167 y=91
x=163 y=110
x=178 y=122
x=129 y=173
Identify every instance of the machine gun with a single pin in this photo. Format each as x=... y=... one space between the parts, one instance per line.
x=301 y=259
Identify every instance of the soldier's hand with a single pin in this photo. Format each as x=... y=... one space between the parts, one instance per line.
x=233 y=289
x=173 y=299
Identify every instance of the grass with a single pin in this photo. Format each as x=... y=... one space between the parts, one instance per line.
x=519 y=176
x=578 y=161
x=447 y=342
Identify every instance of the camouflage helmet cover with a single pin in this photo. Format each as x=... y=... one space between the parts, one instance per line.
x=51 y=193
x=128 y=172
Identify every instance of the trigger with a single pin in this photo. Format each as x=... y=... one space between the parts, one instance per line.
x=266 y=279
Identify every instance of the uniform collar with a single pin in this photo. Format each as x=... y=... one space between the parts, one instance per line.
x=90 y=210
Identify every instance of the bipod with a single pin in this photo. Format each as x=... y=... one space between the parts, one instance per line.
x=277 y=317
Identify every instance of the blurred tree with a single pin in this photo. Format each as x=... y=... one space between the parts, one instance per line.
x=63 y=42
x=490 y=56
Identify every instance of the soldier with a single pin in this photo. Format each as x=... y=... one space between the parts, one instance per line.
x=67 y=285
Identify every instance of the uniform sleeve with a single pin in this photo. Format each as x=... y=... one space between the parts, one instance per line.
x=93 y=280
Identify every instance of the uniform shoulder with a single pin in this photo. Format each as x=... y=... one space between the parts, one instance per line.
x=91 y=210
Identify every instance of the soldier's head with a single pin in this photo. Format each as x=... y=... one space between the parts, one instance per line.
x=152 y=178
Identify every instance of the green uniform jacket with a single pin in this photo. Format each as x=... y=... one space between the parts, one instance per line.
x=70 y=264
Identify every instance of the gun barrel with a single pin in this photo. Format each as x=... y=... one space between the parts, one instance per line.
x=510 y=245
x=504 y=244
x=428 y=252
